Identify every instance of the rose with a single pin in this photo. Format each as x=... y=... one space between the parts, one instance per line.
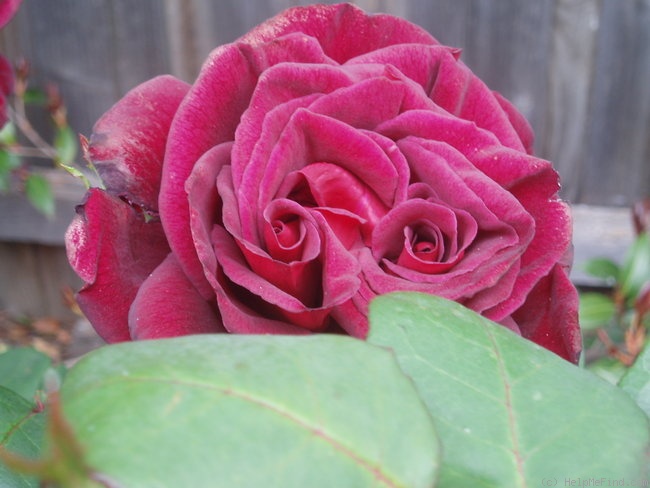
x=8 y=9
x=324 y=158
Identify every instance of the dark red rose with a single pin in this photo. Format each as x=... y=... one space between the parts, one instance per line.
x=324 y=158
x=8 y=9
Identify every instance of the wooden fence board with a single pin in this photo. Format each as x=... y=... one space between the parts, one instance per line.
x=617 y=149
x=33 y=278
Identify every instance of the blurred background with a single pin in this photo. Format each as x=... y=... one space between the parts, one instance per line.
x=579 y=70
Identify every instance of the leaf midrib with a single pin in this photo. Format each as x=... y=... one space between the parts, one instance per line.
x=507 y=401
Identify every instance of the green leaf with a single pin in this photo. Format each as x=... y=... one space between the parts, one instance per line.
x=596 y=310
x=636 y=381
x=21 y=431
x=8 y=134
x=608 y=368
x=66 y=145
x=636 y=269
x=508 y=412
x=35 y=96
x=8 y=162
x=39 y=194
x=22 y=370
x=602 y=268
x=242 y=411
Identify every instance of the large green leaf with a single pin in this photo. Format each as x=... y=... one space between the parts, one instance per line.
x=243 y=411
x=636 y=381
x=508 y=413
x=21 y=432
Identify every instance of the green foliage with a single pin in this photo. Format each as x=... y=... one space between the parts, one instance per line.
x=636 y=381
x=636 y=269
x=251 y=411
x=39 y=193
x=508 y=413
x=21 y=432
x=603 y=268
x=22 y=374
x=35 y=96
x=8 y=163
x=16 y=170
x=614 y=323
x=324 y=410
x=23 y=370
x=596 y=310
x=66 y=145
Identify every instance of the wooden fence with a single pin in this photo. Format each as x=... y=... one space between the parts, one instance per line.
x=578 y=69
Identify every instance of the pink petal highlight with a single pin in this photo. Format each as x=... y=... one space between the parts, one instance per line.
x=128 y=142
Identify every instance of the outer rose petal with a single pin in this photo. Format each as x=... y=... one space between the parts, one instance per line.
x=128 y=142
x=549 y=317
x=168 y=305
x=344 y=30
x=8 y=9
x=208 y=116
x=113 y=250
x=6 y=87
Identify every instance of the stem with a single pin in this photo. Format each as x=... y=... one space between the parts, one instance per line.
x=29 y=152
x=26 y=128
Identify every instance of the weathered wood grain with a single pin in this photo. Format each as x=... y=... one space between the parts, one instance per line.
x=617 y=148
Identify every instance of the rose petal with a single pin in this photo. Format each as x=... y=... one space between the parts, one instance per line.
x=505 y=226
x=243 y=313
x=113 y=250
x=466 y=96
x=549 y=315
x=455 y=88
x=530 y=180
x=369 y=102
x=205 y=204
x=298 y=239
x=417 y=62
x=6 y=87
x=8 y=9
x=223 y=87
x=518 y=121
x=344 y=30
x=128 y=142
x=456 y=230
x=168 y=305
x=310 y=138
